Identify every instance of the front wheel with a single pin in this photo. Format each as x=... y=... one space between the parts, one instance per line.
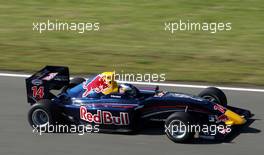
x=215 y=95
x=177 y=127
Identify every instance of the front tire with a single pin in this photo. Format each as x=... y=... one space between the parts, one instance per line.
x=215 y=95
x=174 y=127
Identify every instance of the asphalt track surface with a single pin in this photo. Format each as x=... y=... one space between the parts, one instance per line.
x=16 y=135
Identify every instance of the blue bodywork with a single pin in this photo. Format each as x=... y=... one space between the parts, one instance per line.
x=146 y=106
x=114 y=111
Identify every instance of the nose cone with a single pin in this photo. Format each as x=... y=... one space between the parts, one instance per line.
x=234 y=118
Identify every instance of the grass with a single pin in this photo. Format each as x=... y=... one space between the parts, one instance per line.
x=132 y=38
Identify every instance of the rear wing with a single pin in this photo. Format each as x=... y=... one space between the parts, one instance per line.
x=49 y=78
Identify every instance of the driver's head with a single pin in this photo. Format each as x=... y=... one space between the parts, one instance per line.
x=126 y=89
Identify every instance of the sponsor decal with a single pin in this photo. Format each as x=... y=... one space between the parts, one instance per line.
x=211 y=118
x=61 y=78
x=98 y=84
x=36 y=82
x=219 y=108
x=221 y=118
x=50 y=76
x=104 y=117
x=115 y=96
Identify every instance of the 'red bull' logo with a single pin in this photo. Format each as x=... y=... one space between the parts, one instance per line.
x=222 y=118
x=219 y=108
x=104 y=117
x=98 y=84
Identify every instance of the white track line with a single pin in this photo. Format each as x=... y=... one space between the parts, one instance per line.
x=159 y=84
x=14 y=75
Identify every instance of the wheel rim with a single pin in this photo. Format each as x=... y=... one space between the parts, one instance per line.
x=177 y=129
x=40 y=117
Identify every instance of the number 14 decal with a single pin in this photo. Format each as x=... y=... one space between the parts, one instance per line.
x=38 y=92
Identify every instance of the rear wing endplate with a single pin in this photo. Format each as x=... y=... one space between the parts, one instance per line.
x=49 y=78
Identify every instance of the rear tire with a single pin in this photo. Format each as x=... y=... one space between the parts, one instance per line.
x=172 y=130
x=215 y=95
x=39 y=115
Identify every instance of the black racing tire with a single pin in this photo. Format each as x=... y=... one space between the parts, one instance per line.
x=39 y=115
x=214 y=94
x=174 y=119
x=74 y=82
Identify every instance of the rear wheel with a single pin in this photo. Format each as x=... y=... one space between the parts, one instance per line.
x=215 y=95
x=39 y=115
x=176 y=127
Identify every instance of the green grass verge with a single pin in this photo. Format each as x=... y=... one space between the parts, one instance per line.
x=132 y=38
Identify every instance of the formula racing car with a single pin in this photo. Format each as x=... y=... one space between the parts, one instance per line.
x=101 y=101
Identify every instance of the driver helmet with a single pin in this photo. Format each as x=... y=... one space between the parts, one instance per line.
x=126 y=89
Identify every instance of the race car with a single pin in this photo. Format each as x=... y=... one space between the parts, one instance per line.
x=101 y=101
